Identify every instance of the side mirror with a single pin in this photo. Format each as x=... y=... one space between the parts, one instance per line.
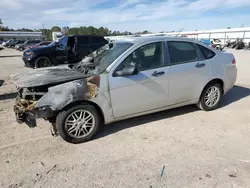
x=127 y=71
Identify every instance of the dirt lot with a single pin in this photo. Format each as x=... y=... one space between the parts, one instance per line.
x=198 y=149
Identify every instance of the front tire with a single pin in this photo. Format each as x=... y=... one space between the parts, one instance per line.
x=210 y=97
x=78 y=124
x=43 y=62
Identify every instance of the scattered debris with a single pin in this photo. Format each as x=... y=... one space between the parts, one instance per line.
x=150 y=186
x=200 y=178
x=147 y=178
x=162 y=171
x=51 y=169
x=208 y=176
x=8 y=161
x=42 y=163
x=232 y=175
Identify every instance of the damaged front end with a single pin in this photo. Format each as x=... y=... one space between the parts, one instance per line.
x=24 y=110
x=25 y=105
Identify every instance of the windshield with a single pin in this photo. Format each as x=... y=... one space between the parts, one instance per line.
x=105 y=58
x=99 y=60
x=98 y=52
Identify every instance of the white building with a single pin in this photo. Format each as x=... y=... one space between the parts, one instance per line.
x=223 y=34
x=5 y=35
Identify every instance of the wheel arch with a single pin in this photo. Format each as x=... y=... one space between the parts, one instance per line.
x=216 y=80
x=44 y=56
x=98 y=108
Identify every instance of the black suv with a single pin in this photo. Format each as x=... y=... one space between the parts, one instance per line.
x=69 y=49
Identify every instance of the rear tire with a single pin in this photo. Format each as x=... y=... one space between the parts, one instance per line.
x=78 y=124
x=210 y=97
x=43 y=62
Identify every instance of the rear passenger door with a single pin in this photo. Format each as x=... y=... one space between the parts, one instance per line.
x=188 y=72
x=82 y=47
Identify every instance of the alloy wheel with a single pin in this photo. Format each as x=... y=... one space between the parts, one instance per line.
x=79 y=123
x=212 y=96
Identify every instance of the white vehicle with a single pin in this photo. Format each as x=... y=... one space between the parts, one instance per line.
x=56 y=36
x=137 y=76
x=5 y=43
x=216 y=43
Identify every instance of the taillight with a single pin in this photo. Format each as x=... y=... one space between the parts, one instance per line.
x=234 y=62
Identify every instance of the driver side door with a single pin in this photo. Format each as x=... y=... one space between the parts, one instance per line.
x=148 y=89
x=61 y=53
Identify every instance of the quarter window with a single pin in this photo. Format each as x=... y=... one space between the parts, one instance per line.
x=149 y=56
x=182 y=52
x=208 y=54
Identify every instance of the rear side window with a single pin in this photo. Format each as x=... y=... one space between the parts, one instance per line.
x=208 y=54
x=182 y=52
x=83 y=39
x=97 y=39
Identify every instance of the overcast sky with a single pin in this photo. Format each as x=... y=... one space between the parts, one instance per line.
x=130 y=15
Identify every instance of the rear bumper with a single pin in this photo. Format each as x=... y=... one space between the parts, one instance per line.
x=230 y=79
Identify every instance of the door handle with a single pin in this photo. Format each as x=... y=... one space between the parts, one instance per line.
x=200 y=65
x=156 y=73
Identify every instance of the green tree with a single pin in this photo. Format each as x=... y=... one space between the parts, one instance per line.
x=55 y=29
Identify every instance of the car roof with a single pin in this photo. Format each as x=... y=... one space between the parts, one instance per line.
x=154 y=38
x=85 y=36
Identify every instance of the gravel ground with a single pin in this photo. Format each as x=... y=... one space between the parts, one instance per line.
x=197 y=148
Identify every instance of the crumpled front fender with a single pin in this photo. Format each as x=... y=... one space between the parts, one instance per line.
x=61 y=95
x=86 y=89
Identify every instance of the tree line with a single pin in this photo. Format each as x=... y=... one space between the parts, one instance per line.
x=89 y=30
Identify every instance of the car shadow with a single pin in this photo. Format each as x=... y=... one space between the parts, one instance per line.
x=235 y=94
x=129 y=123
x=8 y=96
x=1 y=82
x=10 y=56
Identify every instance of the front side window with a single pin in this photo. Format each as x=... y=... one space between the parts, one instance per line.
x=182 y=52
x=147 y=57
x=105 y=58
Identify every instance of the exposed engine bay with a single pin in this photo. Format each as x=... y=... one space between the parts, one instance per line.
x=25 y=103
x=45 y=95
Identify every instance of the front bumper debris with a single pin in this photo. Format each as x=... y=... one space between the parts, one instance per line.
x=25 y=112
